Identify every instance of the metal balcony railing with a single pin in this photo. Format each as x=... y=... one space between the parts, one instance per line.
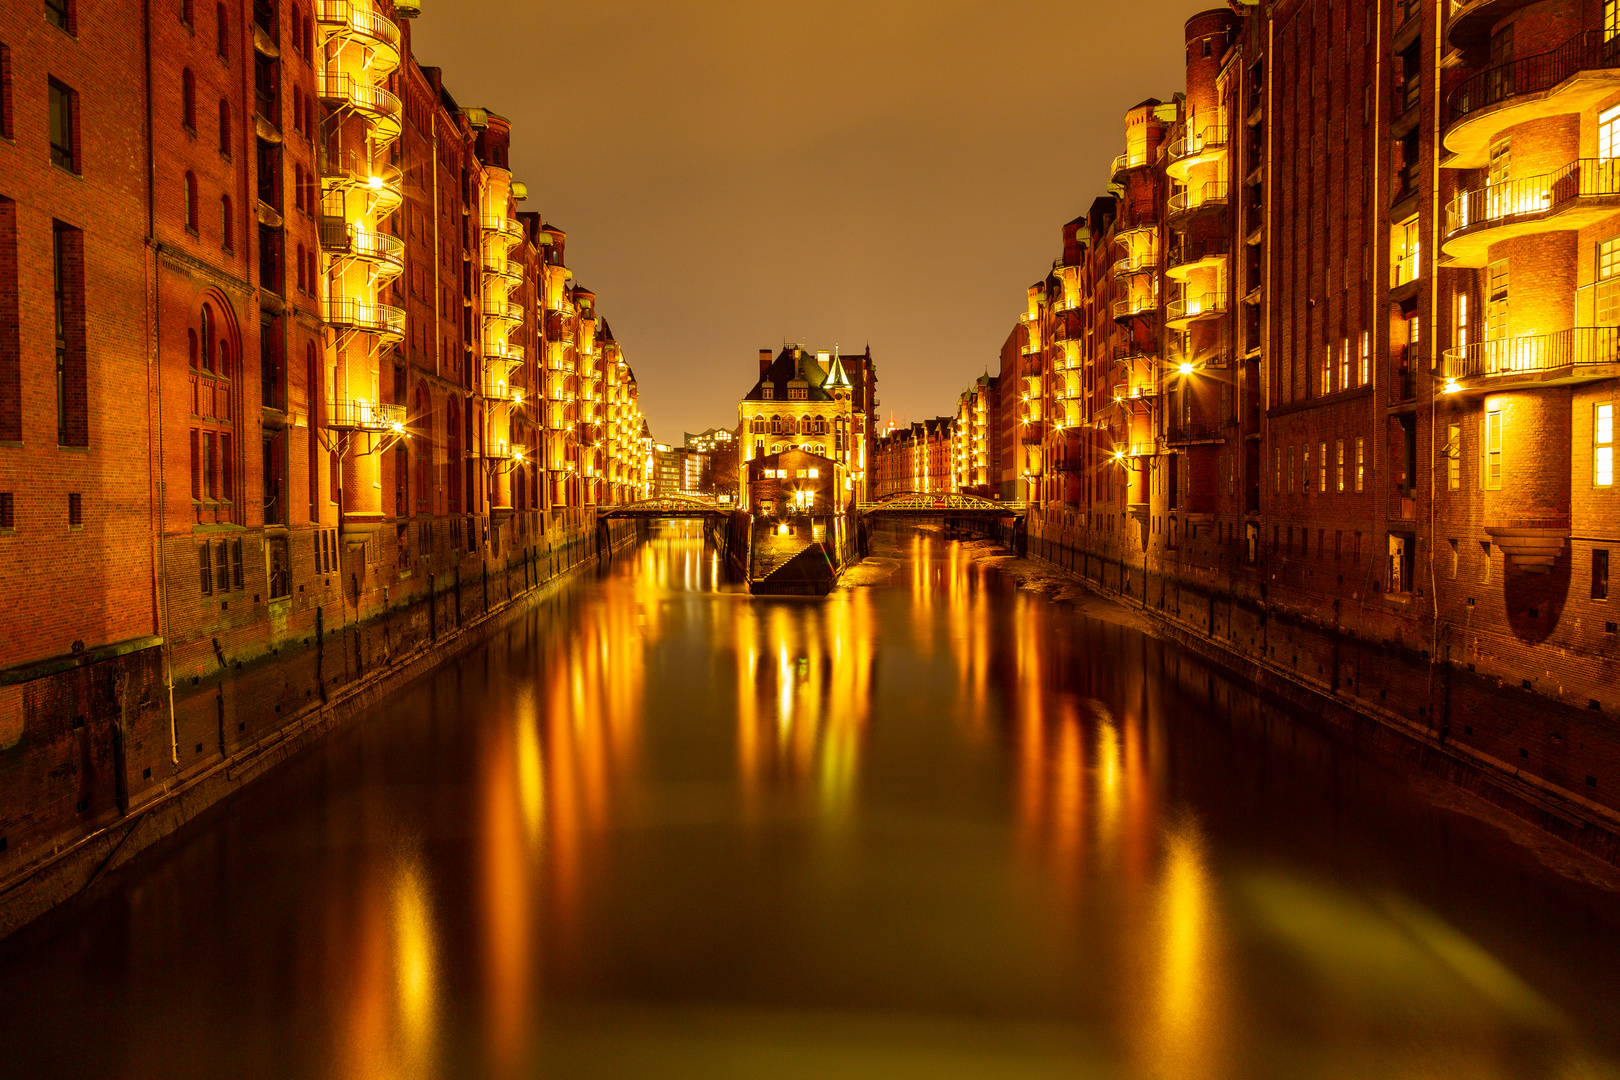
x=1574 y=347
x=1134 y=306
x=351 y=313
x=502 y=309
x=358 y=414
x=1405 y=269
x=347 y=19
x=339 y=237
x=501 y=225
x=1585 y=51
x=1206 y=140
x=1136 y=264
x=1128 y=161
x=1495 y=204
x=1212 y=193
x=1183 y=433
x=497 y=388
x=1192 y=307
x=503 y=351
x=1195 y=252
x=502 y=268
x=341 y=89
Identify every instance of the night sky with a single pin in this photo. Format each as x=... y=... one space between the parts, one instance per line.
x=733 y=175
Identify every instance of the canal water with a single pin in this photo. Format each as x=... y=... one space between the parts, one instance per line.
x=938 y=824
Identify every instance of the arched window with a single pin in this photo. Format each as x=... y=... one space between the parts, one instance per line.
x=225 y=127
x=422 y=424
x=185 y=12
x=301 y=285
x=452 y=430
x=227 y=226
x=188 y=99
x=298 y=98
x=222 y=42
x=213 y=441
x=207 y=338
x=196 y=361
x=191 y=202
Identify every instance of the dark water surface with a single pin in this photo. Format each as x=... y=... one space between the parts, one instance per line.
x=938 y=827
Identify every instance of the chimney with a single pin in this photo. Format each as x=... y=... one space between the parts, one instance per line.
x=764 y=362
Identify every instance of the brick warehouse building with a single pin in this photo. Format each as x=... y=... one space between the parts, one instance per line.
x=1327 y=377
x=374 y=401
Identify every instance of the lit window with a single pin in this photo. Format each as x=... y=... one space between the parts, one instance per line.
x=1339 y=445
x=1366 y=360
x=1608 y=282
x=1600 y=574
x=1603 y=445
x=1361 y=462
x=1321 y=469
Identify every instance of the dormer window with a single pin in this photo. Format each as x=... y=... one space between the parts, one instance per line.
x=768 y=392
x=797 y=393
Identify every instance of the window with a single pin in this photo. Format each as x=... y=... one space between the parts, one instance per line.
x=1322 y=469
x=1361 y=463
x=8 y=518
x=188 y=100
x=1608 y=283
x=280 y=583
x=72 y=389
x=1491 y=473
x=59 y=13
x=185 y=11
x=236 y=564
x=1365 y=374
x=224 y=127
x=64 y=127
x=222 y=32
x=1496 y=303
x=190 y=183
x=7 y=128
x=1276 y=476
x=1339 y=456
x=1454 y=457
x=227 y=230
x=205 y=566
x=1327 y=369
x=1405 y=246
x=1462 y=320
x=1603 y=445
x=75 y=510
x=1344 y=363
x=222 y=566
x=1600 y=574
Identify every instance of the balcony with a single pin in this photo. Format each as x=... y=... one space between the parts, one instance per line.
x=1204 y=198
x=1469 y=28
x=505 y=269
x=1575 y=196
x=1187 y=257
x=1136 y=264
x=1145 y=228
x=381 y=106
x=502 y=310
x=501 y=450
x=1133 y=307
x=1183 y=311
x=1192 y=149
x=497 y=388
x=1126 y=162
x=1564 y=357
x=1193 y=434
x=358 y=414
x=362 y=25
x=1406 y=267
x=351 y=241
x=499 y=225
x=1570 y=78
x=503 y=352
x=361 y=316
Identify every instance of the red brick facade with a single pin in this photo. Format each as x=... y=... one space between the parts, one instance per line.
x=282 y=393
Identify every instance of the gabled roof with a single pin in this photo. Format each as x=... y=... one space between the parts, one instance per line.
x=794 y=365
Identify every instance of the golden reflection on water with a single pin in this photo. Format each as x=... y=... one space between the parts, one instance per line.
x=1128 y=873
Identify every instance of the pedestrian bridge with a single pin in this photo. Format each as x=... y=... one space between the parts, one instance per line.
x=917 y=504
x=669 y=506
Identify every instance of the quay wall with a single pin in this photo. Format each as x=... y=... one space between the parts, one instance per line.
x=1430 y=700
x=105 y=753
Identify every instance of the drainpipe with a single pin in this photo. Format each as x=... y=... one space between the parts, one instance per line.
x=159 y=486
